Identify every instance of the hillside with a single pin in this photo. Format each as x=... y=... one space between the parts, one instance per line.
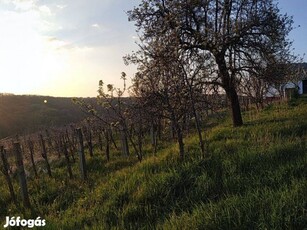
x=253 y=177
x=25 y=114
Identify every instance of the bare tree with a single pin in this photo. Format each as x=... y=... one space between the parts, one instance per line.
x=161 y=85
x=113 y=110
x=237 y=36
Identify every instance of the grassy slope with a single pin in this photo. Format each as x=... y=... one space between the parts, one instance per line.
x=254 y=178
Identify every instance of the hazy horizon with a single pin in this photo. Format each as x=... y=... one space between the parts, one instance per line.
x=39 y=95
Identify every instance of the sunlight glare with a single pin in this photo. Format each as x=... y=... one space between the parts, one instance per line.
x=27 y=59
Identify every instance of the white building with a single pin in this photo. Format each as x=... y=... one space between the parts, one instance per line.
x=290 y=87
x=301 y=86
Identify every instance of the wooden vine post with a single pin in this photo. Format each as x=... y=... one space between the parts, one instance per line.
x=21 y=175
x=5 y=171
x=71 y=146
x=31 y=149
x=64 y=146
x=153 y=137
x=90 y=143
x=44 y=154
x=124 y=143
x=82 y=155
x=88 y=137
x=100 y=140
x=107 y=136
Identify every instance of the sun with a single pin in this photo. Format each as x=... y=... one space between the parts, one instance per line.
x=28 y=59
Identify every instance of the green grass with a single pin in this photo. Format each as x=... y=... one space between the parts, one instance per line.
x=253 y=177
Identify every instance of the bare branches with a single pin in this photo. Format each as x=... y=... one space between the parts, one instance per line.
x=239 y=36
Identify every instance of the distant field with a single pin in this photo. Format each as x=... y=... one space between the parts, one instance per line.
x=25 y=114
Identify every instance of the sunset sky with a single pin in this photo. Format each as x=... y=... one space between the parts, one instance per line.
x=64 y=47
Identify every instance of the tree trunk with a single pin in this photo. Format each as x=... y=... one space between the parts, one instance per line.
x=197 y=121
x=230 y=89
x=139 y=139
x=154 y=137
x=180 y=142
x=235 y=106
x=129 y=136
x=100 y=140
x=179 y=135
x=198 y=128
x=112 y=139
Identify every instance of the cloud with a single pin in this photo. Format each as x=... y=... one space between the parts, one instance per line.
x=57 y=44
x=21 y=5
x=61 y=7
x=45 y=10
x=95 y=26
x=97 y=23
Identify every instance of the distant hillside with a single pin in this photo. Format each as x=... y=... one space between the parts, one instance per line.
x=23 y=114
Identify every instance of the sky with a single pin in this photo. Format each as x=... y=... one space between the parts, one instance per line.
x=64 y=47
